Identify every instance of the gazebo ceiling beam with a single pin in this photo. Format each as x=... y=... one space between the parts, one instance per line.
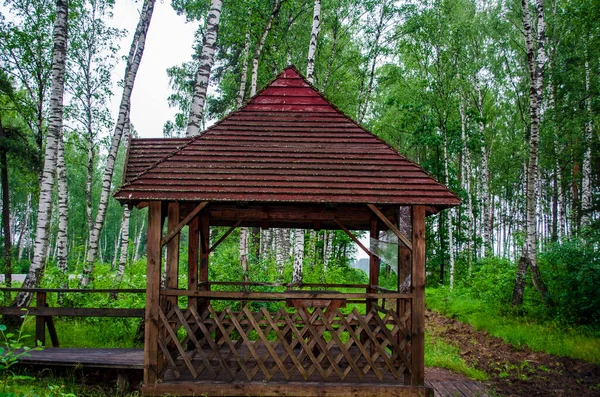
x=353 y=237
x=391 y=226
x=223 y=237
x=173 y=232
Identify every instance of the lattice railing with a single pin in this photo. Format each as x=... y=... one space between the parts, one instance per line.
x=312 y=344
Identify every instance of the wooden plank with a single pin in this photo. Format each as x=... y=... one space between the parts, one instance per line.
x=391 y=226
x=172 y=270
x=276 y=389
x=204 y=255
x=281 y=296
x=153 y=273
x=287 y=285
x=193 y=257
x=404 y=272
x=224 y=236
x=52 y=332
x=86 y=357
x=40 y=321
x=418 y=301
x=185 y=221
x=74 y=312
x=76 y=290
x=353 y=237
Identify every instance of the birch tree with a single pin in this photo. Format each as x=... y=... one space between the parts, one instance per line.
x=312 y=47
x=298 y=256
x=63 y=214
x=260 y=45
x=55 y=126
x=133 y=62
x=207 y=58
x=535 y=64
x=586 y=180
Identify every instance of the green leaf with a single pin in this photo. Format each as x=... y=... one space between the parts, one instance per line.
x=2 y=327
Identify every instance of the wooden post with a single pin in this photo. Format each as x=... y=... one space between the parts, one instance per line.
x=172 y=272
x=404 y=270
x=418 y=296
x=373 y=260
x=204 y=252
x=40 y=321
x=153 y=270
x=193 y=245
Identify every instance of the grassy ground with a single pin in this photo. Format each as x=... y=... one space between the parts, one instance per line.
x=581 y=343
x=443 y=355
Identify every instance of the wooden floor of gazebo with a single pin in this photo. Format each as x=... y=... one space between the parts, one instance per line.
x=132 y=360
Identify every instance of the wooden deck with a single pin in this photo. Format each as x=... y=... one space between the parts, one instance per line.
x=133 y=360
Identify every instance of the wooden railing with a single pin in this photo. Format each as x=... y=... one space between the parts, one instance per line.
x=44 y=314
x=310 y=336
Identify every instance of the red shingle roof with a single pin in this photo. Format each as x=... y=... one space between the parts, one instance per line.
x=288 y=144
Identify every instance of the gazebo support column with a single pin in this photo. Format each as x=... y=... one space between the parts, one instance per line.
x=172 y=271
x=193 y=242
x=153 y=270
x=204 y=253
x=373 y=264
x=404 y=270
x=418 y=295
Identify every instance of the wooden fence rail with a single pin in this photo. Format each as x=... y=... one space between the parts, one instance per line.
x=44 y=315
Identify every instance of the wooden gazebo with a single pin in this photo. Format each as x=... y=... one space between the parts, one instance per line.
x=288 y=159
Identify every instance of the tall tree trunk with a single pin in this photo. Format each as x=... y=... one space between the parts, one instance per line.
x=327 y=245
x=336 y=28
x=24 y=227
x=260 y=45
x=466 y=158
x=133 y=62
x=244 y=77
x=63 y=215
x=312 y=47
x=298 y=256
x=449 y=214
x=207 y=58
x=586 y=181
x=89 y=182
x=312 y=252
x=124 y=243
x=486 y=215
x=5 y=217
x=279 y=250
x=244 y=252
x=536 y=69
x=138 y=240
x=55 y=125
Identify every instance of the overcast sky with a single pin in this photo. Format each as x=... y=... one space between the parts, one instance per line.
x=169 y=43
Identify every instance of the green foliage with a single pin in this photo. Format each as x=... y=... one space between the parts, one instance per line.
x=571 y=271
x=13 y=348
x=524 y=330
x=443 y=355
x=492 y=280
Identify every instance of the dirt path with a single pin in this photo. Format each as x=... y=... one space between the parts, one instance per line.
x=515 y=372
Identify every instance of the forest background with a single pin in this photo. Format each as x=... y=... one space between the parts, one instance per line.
x=496 y=99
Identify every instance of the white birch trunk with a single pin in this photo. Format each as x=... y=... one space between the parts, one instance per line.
x=327 y=245
x=467 y=184
x=449 y=215
x=138 y=240
x=244 y=77
x=485 y=178
x=133 y=62
x=266 y=242
x=88 y=185
x=298 y=256
x=536 y=69
x=244 y=252
x=312 y=248
x=63 y=213
x=279 y=250
x=124 y=243
x=207 y=58
x=312 y=47
x=260 y=45
x=55 y=126
x=24 y=228
x=586 y=182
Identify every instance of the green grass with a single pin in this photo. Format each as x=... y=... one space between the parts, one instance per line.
x=519 y=331
x=443 y=355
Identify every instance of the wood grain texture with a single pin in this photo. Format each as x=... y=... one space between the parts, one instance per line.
x=418 y=291
x=153 y=274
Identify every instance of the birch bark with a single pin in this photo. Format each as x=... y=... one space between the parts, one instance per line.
x=586 y=182
x=485 y=179
x=467 y=184
x=312 y=47
x=449 y=214
x=63 y=214
x=298 y=256
x=244 y=77
x=6 y=218
x=207 y=58
x=55 y=126
x=244 y=252
x=536 y=69
x=260 y=45
x=133 y=62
